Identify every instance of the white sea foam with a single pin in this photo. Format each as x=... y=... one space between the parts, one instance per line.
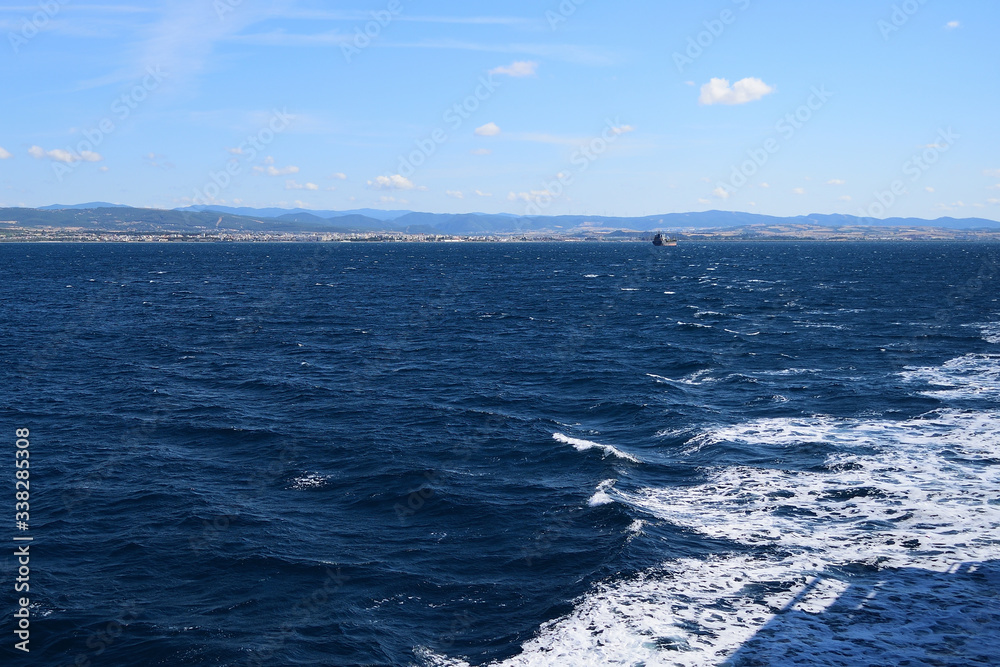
x=971 y=376
x=584 y=445
x=918 y=496
x=991 y=332
x=695 y=379
x=890 y=483
x=601 y=496
x=310 y=480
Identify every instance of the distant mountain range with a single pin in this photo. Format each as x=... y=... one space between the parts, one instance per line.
x=102 y=216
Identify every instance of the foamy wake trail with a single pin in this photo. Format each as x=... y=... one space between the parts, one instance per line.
x=991 y=332
x=909 y=508
x=584 y=445
x=974 y=376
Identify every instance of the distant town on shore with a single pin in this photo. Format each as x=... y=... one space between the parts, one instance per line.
x=104 y=222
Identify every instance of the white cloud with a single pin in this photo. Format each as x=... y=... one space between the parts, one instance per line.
x=992 y=173
x=488 y=130
x=993 y=201
x=517 y=69
x=532 y=197
x=235 y=151
x=274 y=171
x=845 y=198
x=765 y=185
x=60 y=155
x=103 y=168
x=394 y=182
x=704 y=202
x=799 y=191
x=623 y=129
x=929 y=189
x=836 y=181
x=455 y=194
x=480 y=193
x=292 y=185
x=389 y=199
x=4 y=155
x=481 y=151
x=951 y=25
x=718 y=91
x=721 y=193
x=340 y=176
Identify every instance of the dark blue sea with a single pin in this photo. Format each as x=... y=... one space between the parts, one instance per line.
x=520 y=454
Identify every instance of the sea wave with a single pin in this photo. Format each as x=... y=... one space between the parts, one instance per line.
x=584 y=445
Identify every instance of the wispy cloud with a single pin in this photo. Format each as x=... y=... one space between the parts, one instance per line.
x=531 y=197
x=4 y=155
x=566 y=52
x=520 y=68
x=60 y=155
x=179 y=41
x=353 y=16
x=271 y=170
x=292 y=185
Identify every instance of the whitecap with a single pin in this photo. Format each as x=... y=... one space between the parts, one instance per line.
x=584 y=445
x=310 y=480
x=601 y=496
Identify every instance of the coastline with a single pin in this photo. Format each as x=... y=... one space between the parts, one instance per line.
x=743 y=234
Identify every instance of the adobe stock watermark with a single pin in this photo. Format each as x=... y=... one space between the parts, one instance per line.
x=915 y=167
x=364 y=36
x=31 y=26
x=582 y=158
x=714 y=28
x=562 y=13
x=223 y=7
x=454 y=117
x=253 y=146
x=900 y=16
x=786 y=127
x=85 y=150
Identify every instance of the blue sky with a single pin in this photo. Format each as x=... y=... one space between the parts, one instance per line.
x=585 y=107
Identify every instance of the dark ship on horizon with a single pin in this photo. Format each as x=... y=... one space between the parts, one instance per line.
x=659 y=240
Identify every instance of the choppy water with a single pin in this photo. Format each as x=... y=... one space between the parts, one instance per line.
x=508 y=454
